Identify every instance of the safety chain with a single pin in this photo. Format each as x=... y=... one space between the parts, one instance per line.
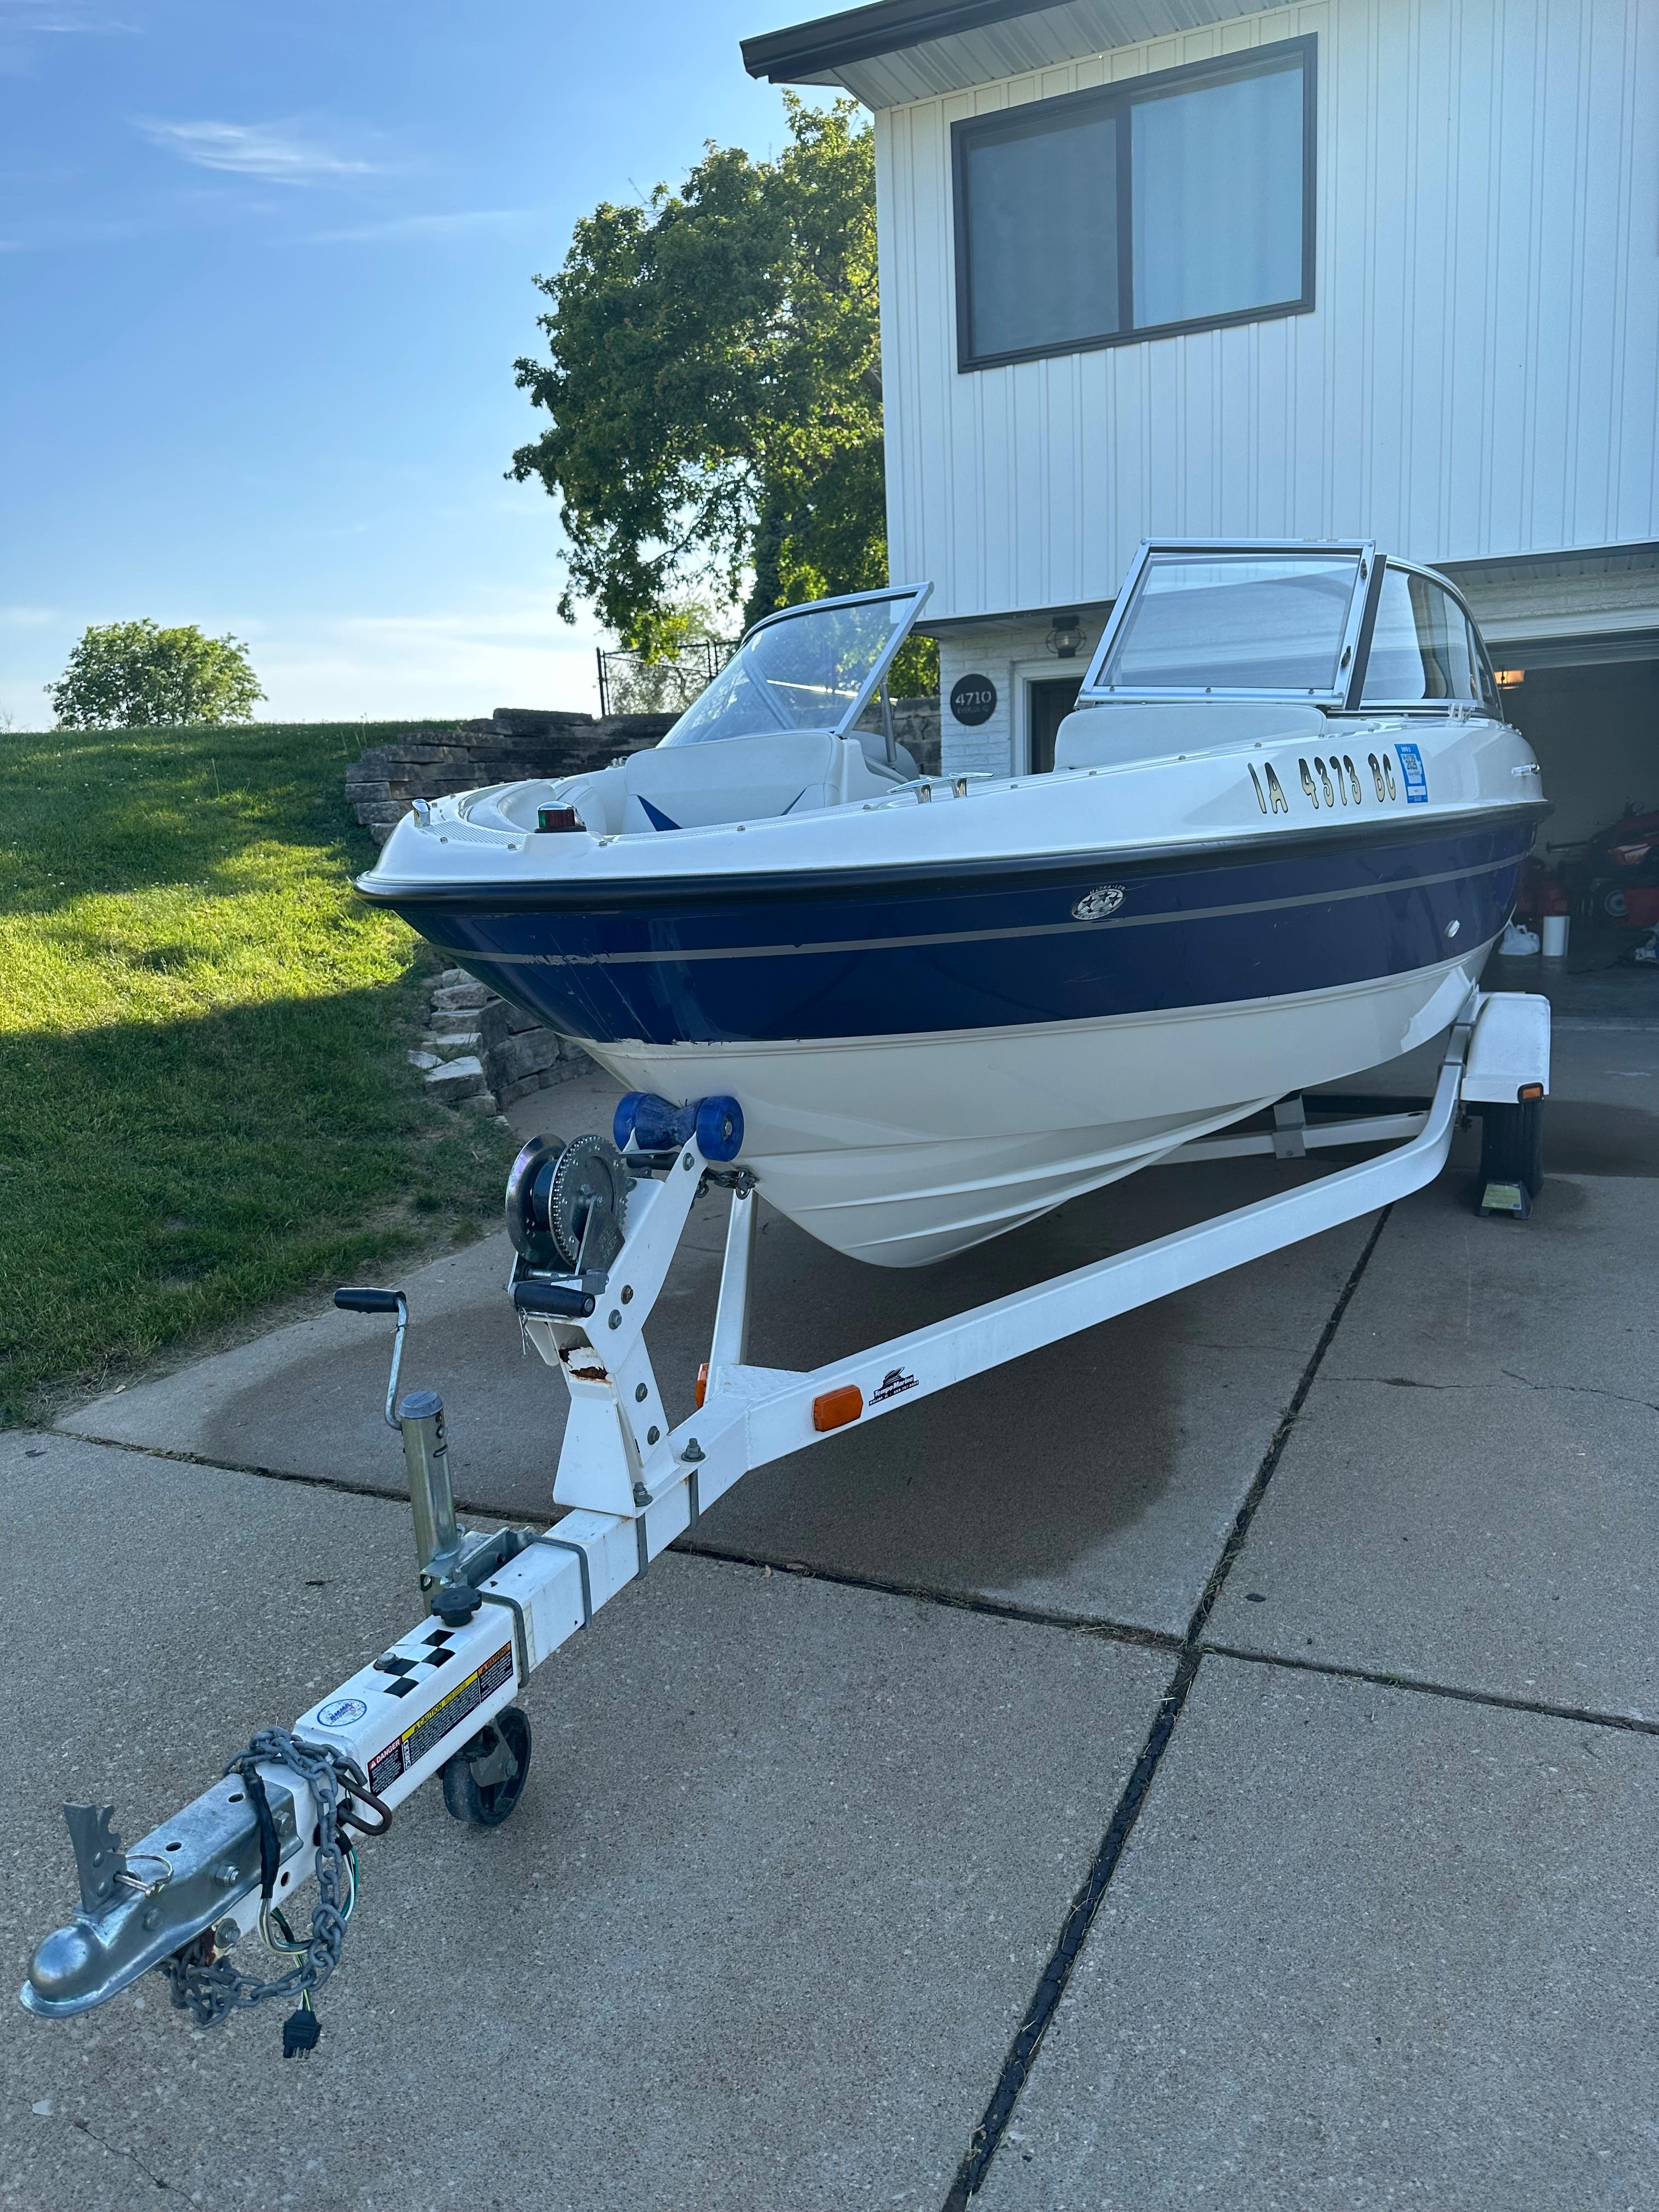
x=207 y=1987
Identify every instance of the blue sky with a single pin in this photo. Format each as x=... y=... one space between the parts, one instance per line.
x=264 y=273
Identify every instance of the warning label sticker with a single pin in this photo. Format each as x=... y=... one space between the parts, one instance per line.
x=412 y=1746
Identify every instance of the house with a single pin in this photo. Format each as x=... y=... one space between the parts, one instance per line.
x=1382 y=269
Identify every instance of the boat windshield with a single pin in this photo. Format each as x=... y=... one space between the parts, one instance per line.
x=809 y=668
x=1206 y=619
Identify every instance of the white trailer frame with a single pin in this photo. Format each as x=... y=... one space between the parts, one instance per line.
x=631 y=1484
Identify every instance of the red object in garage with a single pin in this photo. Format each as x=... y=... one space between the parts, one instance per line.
x=1618 y=872
x=1553 y=897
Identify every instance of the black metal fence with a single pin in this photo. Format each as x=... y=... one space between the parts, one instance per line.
x=631 y=684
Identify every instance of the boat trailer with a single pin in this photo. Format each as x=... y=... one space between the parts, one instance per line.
x=595 y=1225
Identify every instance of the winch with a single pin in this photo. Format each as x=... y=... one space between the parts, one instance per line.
x=567 y=1204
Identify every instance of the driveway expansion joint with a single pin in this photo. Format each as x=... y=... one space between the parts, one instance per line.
x=1540 y=1708
x=1051 y=1986
x=479 y=1508
x=1113 y=1631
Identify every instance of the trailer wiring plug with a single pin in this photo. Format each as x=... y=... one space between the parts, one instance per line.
x=302 y=2029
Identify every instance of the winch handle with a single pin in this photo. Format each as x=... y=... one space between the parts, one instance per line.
x=392 y=1302
x=553 y=1298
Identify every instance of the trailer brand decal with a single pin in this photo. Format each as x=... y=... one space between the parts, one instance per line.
x=893 y=1384
x=1096 y=905
x=340 y=1713
x=409 y=1749
x=1411 y=767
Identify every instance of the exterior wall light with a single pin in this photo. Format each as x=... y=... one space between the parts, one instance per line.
x=1065 y=639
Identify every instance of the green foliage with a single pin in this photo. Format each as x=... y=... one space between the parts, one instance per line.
x=204 y=1101
x=714 y=387
x=135 y=674
x=668 y=679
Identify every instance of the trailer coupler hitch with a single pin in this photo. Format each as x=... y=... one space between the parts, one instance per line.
x=181 y=1898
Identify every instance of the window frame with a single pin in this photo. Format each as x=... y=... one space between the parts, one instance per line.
x=1490 y=701
x=1032 y=118
x=1353 y=646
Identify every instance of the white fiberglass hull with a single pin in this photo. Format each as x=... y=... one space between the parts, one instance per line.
x=902 y=1150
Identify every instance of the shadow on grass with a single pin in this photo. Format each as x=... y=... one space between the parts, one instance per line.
x=157 y=1179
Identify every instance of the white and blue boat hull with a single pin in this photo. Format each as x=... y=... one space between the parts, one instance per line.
x=929 y=1054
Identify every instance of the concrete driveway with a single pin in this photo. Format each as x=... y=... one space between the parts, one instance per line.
x=1212 y=1760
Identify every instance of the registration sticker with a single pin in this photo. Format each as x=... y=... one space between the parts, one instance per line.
x=1411 y=767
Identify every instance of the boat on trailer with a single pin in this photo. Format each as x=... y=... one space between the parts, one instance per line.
x=1285 y=826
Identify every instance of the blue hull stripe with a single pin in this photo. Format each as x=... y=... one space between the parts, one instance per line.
x=978 y=936
x=995 y=955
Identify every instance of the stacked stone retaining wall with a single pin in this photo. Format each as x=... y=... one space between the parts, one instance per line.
x=481 y=1054
x=915 y=727
x=514 y=743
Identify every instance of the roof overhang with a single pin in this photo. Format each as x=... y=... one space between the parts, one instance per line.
x=901 y=50
x=1572 y=609
x=1016 y=618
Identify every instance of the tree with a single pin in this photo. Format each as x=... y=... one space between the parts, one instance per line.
x=690 y=645
x=714 y=387
x=135 y=674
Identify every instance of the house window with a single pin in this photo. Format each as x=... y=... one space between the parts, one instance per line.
x=1176 y=201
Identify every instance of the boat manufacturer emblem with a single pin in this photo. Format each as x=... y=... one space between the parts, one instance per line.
x=1096 y=905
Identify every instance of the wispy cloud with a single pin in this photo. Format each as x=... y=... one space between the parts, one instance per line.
x=418 y=227
x=22 y=21
x=61 y=18
x=281 y=153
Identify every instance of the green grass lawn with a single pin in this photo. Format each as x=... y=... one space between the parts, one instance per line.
x=204 y=1101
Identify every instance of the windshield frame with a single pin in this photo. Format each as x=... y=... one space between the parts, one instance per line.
x=918 y=596
x=1491 y=701
x=1350 y=658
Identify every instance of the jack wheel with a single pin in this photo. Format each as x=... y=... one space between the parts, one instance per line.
x=484 y=1781
x=1512 y=1145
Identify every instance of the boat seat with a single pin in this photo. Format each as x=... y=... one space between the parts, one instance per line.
x=741 y=779
x=1157 y=729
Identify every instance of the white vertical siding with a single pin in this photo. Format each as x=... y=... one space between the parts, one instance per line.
x=1479 y=375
